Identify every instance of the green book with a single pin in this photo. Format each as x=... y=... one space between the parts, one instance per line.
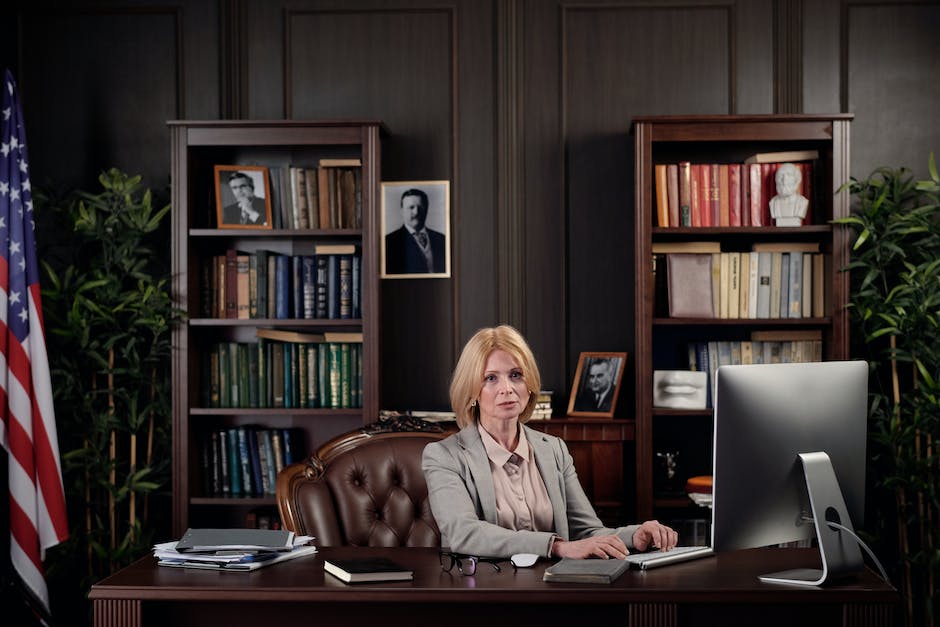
x=225 y=387
x=262 y=361
x=335 y=378
x=287 y=350
x=313 y=385
x=346 y=375
x=301 y=351
x=277 y=374
x=323 y=376
x=244 y=375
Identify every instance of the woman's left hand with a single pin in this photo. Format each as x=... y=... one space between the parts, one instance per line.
x=653 y=533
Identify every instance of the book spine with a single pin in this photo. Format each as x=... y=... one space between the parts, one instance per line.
x=297 y=287
x=356 y=286
x=662 y=195
x=685 y=193
x=267 y=445
x=734 y=195
x=322 y=286
x=231 y=283
x=261 y=285
x=282 y=287
x=264 y=462
x=332 y=281
x=309 y=286
x=234 y=463
x=672 y=187
x=345 y=286
x=313 y=387
x=224 y=470
x=257 y=488
x=784 y=311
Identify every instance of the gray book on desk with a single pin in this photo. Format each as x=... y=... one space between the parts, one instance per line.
x=205 y=540
x=570 y=570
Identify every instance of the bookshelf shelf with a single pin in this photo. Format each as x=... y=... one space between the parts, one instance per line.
x=289 y=149
x=662 y=342
x=744 y=322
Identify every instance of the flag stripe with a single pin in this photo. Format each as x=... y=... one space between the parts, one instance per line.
x=37 y=499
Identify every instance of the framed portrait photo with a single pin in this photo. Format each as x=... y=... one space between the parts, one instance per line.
x=415 y=230
x=242 y=197
x=596 y=384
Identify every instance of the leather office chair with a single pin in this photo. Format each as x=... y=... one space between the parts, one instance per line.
x=362 y=489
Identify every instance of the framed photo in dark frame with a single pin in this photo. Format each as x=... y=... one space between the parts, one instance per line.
x=243 y=197
x=596 y=384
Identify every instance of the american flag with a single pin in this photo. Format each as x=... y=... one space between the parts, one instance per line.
x=37 y=500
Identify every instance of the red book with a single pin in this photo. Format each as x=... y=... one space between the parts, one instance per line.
x=714 y=194
x=755 y=195
x=672 y=187
x=769 y=190
x=724 y=193
x=696 y=194
x=734 y=195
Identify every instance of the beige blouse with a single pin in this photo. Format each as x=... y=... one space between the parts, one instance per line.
x=521 y=498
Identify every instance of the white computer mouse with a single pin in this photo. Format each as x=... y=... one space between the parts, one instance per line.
x=524 y=560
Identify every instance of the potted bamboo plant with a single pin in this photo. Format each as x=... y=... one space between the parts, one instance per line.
x=895 y=305
x=108 y=319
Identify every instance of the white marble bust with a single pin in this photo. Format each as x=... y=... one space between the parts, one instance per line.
x=788 y=208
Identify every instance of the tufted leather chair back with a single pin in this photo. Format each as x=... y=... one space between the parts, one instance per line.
x=363 y=489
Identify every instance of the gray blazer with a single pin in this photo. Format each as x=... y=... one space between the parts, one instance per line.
x=463 y=499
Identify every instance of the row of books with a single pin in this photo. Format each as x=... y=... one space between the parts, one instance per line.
x=543 y=406
x=773 y=280
x=309 y=374
x=726 y=194
x=245 y=460
x=327 y=195
x=764 y=347
x=264 y=284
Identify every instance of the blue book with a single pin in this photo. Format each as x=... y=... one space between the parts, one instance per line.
x=356 y=286
x=271 y=467
x=297 y=287
x=244 y=458
x=309 y=281
x=256 y=479
x=234 y=466
x=332 y=287
x=282 y=287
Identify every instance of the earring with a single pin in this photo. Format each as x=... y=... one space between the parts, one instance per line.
x=473 y=403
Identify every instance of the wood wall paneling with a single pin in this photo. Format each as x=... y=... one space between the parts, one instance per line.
x=105 y=102
x=665 y=60
x=891 y=52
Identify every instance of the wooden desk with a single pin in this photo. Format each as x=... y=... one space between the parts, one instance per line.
x=720 y=590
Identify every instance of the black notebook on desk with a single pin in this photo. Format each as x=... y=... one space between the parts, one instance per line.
x=360 y=570
x=570 y=570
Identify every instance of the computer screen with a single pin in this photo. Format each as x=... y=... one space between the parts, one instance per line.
x=766 y=416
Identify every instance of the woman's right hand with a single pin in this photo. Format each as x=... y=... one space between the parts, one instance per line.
x=603 y=547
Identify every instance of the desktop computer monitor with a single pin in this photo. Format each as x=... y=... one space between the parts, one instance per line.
x=789 y=446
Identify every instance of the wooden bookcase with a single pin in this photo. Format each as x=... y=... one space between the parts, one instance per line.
x=196 y=147
x=661 y=342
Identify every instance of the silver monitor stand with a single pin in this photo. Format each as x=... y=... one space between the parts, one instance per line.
x=839 y=550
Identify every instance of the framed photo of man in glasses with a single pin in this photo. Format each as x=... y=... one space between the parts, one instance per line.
x=596 y=384
x=243 y=197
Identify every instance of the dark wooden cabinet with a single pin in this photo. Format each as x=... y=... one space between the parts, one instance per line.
x=661 y=341
x=196 y=148
x=602 y=450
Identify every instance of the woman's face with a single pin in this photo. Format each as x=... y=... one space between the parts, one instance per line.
x=504 y=393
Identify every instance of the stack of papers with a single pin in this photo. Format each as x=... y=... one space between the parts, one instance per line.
x=232 y=549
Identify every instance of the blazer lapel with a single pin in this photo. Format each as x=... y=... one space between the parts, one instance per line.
x=548 y=468
x=479 y=465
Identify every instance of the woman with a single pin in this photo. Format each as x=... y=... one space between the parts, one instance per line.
x=497 y=487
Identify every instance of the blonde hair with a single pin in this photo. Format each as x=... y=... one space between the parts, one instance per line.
x=468 y=375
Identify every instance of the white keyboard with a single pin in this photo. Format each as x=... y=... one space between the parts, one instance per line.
x=655 y=558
